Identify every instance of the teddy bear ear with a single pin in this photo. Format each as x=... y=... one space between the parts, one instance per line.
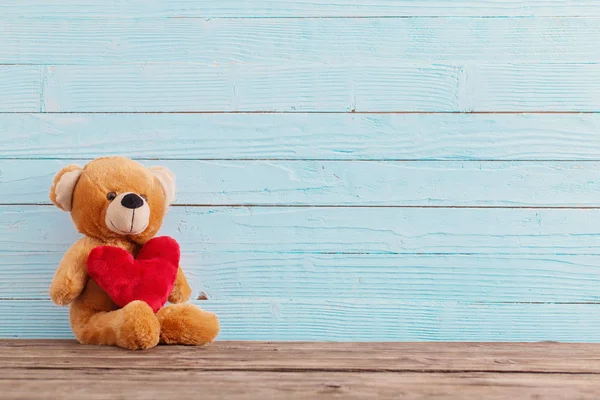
x=61 y=192
x=167 y=181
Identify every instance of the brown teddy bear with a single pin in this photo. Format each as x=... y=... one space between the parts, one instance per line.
x=115 y=201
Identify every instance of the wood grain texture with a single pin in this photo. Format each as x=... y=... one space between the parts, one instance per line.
x=303 y=136
x=548 y=86
x=294 y=8
x=243 y=370
x=21 y=88
x=337 y=230
x=360 y=320
x=140 y=385
x=481 y=279
x=334 y=183
x=273 y=42
x=30 y=356
x=318 y=87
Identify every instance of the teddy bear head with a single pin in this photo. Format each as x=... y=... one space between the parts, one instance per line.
x=115 y=198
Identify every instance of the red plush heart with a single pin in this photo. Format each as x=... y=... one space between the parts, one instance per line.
x=150 y=277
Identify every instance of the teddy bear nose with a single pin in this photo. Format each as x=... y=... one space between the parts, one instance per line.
x=132 y=201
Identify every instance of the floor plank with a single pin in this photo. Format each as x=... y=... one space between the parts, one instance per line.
x=44 y=369
x=541 y=357
x=297 y=385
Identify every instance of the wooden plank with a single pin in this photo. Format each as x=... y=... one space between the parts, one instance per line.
x=482 y=279
x=337 y=230
x=26 y=357
x=548 y=87
x=298 y=385
x=294 y=8
x=319 y=87
x=303 y=136
x=21 y=88
x=201 y=87
x=267 y=42
x=361 y=320
x=352 y=183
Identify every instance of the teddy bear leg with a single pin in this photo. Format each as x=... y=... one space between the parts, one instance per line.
x=133 y=327
x=187 y=324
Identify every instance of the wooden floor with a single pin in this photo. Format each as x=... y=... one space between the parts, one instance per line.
x=60 y=369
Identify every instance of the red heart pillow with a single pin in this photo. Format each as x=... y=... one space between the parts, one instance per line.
x=150 y=277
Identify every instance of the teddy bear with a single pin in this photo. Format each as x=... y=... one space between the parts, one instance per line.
x=119 y=204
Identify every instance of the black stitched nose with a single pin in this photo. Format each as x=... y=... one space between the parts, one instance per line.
x=132 y=201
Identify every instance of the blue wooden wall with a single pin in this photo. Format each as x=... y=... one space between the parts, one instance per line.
x=348 y=170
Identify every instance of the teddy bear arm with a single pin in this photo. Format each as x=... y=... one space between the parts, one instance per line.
x=71 y=276
x=181 y=290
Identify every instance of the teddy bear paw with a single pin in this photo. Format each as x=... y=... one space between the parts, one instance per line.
x=139 y=329
x=186 y=324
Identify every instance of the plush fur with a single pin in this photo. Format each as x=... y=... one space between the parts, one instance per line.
x=95 y=317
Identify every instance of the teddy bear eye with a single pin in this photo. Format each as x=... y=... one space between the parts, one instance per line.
x=111 y=196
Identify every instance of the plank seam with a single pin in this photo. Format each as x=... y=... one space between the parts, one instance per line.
x=300 y=17
x=334 y=300
x=306 y=370
x=535 y=112
x=364 y=206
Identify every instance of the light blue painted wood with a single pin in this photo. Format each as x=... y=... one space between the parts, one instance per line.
x=352 y=320
x=305 y=265
x=551 y=87
x=277 y=42
x=293 y=8
x=323 y=88
x=303 y=136
x=362 y=277
x=21 y=88
x=356 y=183
x=337 y=230
x=205 y=88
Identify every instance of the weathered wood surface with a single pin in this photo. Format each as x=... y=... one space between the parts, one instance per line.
x=247 y=370
x=302 y=136
x=279 y=42
x=133 y=9
x=346 y=183
x=433 y=160
x=334 y=230
x=311 y=87
x=390 y=277
x=356 y=319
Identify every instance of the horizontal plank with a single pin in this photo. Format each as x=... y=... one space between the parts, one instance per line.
x=344 y=41
x=482 y=279
x=337 y=230
x=303 y=136
x=315 y=87
x=549 y=87
x=18 y=355
x=293 y=8
x=21 y=88
x=139 y=385
x=351 y=320
x=326 y=183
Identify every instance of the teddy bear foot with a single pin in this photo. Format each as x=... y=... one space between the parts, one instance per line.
x=187 y=324
x=139 y=329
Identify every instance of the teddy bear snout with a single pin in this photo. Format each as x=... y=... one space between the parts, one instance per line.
x=132 y=201
x=128 y=214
